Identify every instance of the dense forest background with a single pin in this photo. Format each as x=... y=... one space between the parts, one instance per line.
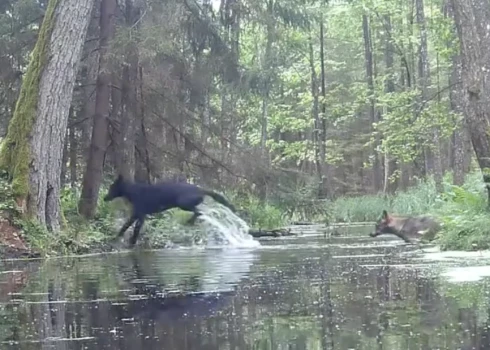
x=292 y=101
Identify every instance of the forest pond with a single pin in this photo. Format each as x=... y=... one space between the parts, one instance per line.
x=306 y=292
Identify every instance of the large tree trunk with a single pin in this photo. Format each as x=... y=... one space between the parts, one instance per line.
x=475 y=55
x=32 y=151
x=459 y=155
x=368 y=54
x=93 y=173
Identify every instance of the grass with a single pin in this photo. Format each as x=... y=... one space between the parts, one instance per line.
x=417 y=200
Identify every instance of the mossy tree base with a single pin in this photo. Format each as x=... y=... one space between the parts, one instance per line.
x=32 y=150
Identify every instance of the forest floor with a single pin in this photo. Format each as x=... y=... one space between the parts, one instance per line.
x=12 y=244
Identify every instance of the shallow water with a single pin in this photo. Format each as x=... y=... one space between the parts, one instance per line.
x=308 y=292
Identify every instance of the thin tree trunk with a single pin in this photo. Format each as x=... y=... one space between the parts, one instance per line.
x=126 y=135
x=326 y=186
x=390 y=164
x=315 y=114
x=368 y=53
x=88 y=79
x=143 y=167
x=266 y=75
x=93 y=173
x=432 y=156
x=130 y=118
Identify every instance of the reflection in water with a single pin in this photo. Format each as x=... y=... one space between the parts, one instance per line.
x=245 y=299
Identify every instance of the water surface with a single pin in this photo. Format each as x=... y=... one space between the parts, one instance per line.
x=307 y=292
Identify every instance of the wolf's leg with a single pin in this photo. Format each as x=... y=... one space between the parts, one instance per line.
x=137 y=229
x=128 y=223
x=403 y=236
x=194 y=217
x=190 y=203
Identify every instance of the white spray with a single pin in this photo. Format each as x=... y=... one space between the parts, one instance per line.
x=223 y=227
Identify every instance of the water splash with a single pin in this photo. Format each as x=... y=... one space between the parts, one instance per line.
x=223 y=227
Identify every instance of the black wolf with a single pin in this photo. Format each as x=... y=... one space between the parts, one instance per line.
x=407 y=228
x=149 y=199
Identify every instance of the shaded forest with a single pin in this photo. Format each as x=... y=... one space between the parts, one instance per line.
x=295 y=102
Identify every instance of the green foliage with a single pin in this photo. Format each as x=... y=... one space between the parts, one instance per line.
x=465 y=217
x=417 y=200
x=258 y=214
x=358 y=209
x=7 y=203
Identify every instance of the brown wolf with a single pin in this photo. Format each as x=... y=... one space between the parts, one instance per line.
x=407 y=227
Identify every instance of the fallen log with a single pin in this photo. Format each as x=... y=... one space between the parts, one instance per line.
x=303 y=223
x=278 y=232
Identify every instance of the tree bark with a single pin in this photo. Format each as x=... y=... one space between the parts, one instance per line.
x=66 y=150
x=459 y=151
x=64 y=160
x=93 y=173
x=457 y=105
x=33 y=149
x=475 y=55
x=73 y=155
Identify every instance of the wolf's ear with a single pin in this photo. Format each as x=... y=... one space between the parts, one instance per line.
x=119 y=178
x=385 y=215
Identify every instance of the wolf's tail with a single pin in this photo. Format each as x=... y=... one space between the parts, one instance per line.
x=220 y=199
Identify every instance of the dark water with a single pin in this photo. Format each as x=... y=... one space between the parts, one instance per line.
x=301 y=293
